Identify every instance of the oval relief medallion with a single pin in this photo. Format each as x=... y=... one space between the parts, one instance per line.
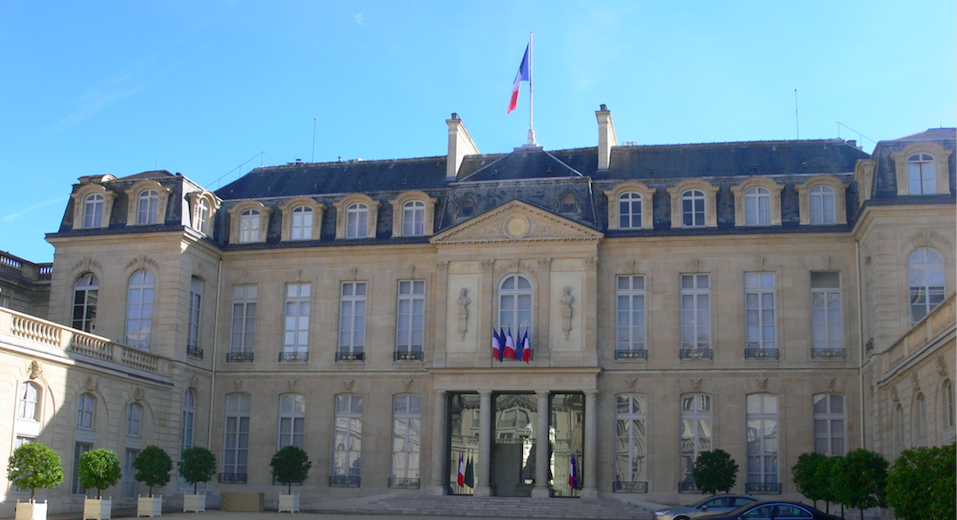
x=517 y=226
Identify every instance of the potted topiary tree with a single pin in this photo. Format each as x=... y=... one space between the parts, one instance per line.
x=196 y=465
x=290 y=464
x=33 y=466
x=152 y=467
x=98 y=469
x=714 y=471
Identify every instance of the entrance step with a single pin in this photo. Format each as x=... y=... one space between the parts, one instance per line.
x=499 y=507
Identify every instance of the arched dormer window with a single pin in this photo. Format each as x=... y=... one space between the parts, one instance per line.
x=821 y=201
x=413 y=218
x=93 y=211
x=693 y=204
x=630 y=206
x=301 y=219
x=85 y=296
x=146 y=207
x=147 y=203
x=249 y=226
x=203 y=207
x=466 y=207
x=249 y=221
x=921 y=174
x=92 y=204
x=357 y=220
x=925 y=273
x=757 y=202
x=923 y=168
x=301 y=223
x=413 y=214
x=757 y=207
x=568 y=204
x=515 y=297
x=356 y=217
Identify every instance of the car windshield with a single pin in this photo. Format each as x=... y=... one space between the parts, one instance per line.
x=725 y=501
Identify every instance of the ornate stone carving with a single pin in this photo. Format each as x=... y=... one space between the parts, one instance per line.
x=591 y=263
x=488 y=265
x=35 y=369
x=87 y=264
x=829 y=384
x=463 y=303
x=630 y=383
x=763 y=384
x=915 y=381
x=139 y=394
x=407 y=384
x=928 y=238
x=292 y=384
x=545 y=263
x=442 y=265
x=895 y=396
x=567 y=299
x=348 y=383
x=141 y=262
x=238 y=384
x=193 y=381
x=941 y=366
x=696 y=384
x=91 y=383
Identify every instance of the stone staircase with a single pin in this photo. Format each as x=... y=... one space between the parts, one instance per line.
x=497 y=507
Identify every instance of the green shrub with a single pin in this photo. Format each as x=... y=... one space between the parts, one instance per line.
x=804 y=475
x=34 y=466
x=290 y=464
x=197 y=465
x=152 y=467
x=859 y=480
x=714 y=471
x=98 y=469
x=921 y=483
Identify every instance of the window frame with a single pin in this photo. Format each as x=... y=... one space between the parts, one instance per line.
x=79 y=448
x=295 y=417
x=242 y=340
x=827 y=418
x=768 y=481
x=86 y=412
x=134 y=418
x=413 y=218
x=297 y=315
x=519 y=295
x=410 y=323
x=635 y=437
x=140 y=296
x=347 y=424
x=93 y=216
x=300 y=228
x=634 y=338
x=697 y=415
x=628 y=218
x=238 y=406
x=128 y=484
x=249 y=224
x=188 y=420
x=695 y=349
x=407 y=428
x=926 y=180
x=25 y=404
x=147 y=207
x=760 y=315
x=87 y=308
x=353 y=311
x=932 y=295
x=754 y=214
x=195 y=318
x=357 y=220
x=691 y=215
x=826 y=342
x=822 y=206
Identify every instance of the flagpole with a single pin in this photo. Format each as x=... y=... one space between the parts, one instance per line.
x=531 y=106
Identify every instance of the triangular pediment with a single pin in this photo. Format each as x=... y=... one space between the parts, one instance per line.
x=516 y=221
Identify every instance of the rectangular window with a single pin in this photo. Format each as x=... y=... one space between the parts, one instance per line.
x=759 y=311
x=826 y=331
x=695 y=316
x=630 y=343
x=406 y=441
x=410 y=317
x=292 y=420
x=133 y=413
x=695 y=437
x=84 y=412
x=762 y=421
x=630 y=444
x=79 y=449
x=236 y=440
x=295 y=342
x=129 y=483
x=829 y=419
x=243 y=324
x=352 y=321
x=195 y=306
x=347 y=441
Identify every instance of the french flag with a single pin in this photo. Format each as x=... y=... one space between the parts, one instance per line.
x=519 y=78
x=509 y=345
x=526 y=348
x=573 y=474
x=496 y=345
x=461 y=479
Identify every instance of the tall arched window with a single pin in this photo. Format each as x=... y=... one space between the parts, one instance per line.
x=899 y=428
x=29 y=397
x=148 y=206
x=249 y=226
x=695 y=435
x=85 y=409
x=830 y=421
x=189 y=413
x=920 y=420
x=413 y=218
x=630 y=443
x=357 y=221
x=292 y=420
x=139 y=310
x=821 y=202
x=629 y=211
x=757 y=207
x=763 y=435
x=921 y=174
x=93 y=211
x=347 y=441
x=195 y=312
x=925 y=272
x=515 y=296
x=301 y=223
x=406 y=440
x=134 y=416
x=692 y=208
x=236 y=438
x=84 y=302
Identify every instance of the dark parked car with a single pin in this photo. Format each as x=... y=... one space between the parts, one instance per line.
x=773 y=510
x=710 y=505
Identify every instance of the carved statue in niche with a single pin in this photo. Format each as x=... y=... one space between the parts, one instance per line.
x=463 y=302
x=567 y=300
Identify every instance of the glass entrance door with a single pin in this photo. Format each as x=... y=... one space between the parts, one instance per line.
x=566 y=434
x=513 y=445
x=463 y=442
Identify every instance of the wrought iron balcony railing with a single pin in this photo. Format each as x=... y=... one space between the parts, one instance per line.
x=638 y=354
x=239 y=357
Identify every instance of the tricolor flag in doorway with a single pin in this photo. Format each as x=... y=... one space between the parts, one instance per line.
x=573 y=474
x=519 y=78
x=461 y=479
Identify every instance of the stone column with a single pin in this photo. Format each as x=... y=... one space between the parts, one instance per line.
x=541 y=447
x=483 y=489
x=590 y=468
x=439 y=484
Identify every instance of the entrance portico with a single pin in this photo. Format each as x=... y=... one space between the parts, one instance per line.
x=524 y=415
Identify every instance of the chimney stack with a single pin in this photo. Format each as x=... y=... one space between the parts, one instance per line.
x=460 y=145
x=606 y=137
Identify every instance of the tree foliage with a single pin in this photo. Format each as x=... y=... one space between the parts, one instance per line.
x=152 y=467
x=197 y=464
x=804 y=474
x=714 y=471
x=34 y=466
x=98 y=469
x=921 y=483
x=822 y=474
x=290 y=464
x=859 y=479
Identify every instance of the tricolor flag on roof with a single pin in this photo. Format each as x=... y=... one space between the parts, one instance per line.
x=519 y=78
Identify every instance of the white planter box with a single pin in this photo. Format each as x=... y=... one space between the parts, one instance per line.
x=194 y=503
x=288 y=503
x=149 y=506
x=31 y=510
x=97 y=509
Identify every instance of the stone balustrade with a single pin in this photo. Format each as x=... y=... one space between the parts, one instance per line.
x=50 y=334
x=922 y=333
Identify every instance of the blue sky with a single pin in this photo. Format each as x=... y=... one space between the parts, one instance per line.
x=202 y=87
